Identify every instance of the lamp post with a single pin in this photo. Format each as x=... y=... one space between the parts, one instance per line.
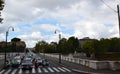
x=59 y=49
x=6 y=44
x=118 y=18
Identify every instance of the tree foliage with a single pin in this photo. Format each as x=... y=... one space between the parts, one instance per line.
x=64 y=46
x=70 y=45
x=73 y=44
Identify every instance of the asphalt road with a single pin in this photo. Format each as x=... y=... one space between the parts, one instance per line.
x=53 y=68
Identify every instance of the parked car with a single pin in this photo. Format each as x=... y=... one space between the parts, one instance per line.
x=26 y=64
x=16 y=61
x=45 y=62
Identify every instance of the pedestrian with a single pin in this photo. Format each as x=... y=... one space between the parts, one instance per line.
x=36 y=64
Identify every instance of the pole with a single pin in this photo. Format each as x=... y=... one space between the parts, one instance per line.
x=6 y=45
x=59 y=50
x=118 y=18
x=5 y=50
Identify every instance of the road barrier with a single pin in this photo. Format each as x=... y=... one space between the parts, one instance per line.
x=112 y=65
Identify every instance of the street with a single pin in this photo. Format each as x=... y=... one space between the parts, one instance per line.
x=53 y=68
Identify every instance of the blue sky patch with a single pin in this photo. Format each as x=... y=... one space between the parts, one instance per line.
x=109 y=25
x=46 y=21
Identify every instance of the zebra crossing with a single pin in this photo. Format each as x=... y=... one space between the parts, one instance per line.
x=35 y=71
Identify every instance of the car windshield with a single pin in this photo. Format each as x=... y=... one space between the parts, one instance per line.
x=27 y=61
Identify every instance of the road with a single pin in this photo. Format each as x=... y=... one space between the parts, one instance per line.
x=53 y=68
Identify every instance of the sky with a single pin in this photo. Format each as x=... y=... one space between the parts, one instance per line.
x=37 y=20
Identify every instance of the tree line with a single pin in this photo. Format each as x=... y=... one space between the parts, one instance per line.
x=64 y=46
x=72 y=44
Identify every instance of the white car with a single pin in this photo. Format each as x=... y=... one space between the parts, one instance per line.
x=16 y=61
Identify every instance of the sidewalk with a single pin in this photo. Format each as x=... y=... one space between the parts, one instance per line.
x=1 y=63
x=81 y=68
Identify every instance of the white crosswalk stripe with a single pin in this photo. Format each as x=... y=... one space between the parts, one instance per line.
x=14 y=71
x=33 y=71
x=2 y=71
x=8 y=71
x=56 y=69
x=61 y=69
x=66 y=69
x=20 y=71
x=50 y=69
x=45 y=70
x=39 y=70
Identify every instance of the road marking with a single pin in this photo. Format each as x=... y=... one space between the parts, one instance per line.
x=2 y=71
x=61 y=69
x=66 y=69
x=7 y=71
x=20 y=71
x=56 y=69
x=39 y=70
x=14 y=71
x=33 y=70
x=50 y=69
x=45 y=70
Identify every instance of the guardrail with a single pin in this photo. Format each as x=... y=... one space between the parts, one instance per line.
x=112 y=65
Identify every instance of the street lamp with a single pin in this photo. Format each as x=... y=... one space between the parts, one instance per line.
x=6 y=43
x=59 y=49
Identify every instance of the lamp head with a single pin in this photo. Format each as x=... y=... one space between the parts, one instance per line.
x=12 y=29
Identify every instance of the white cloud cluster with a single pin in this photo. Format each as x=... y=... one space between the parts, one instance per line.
x=91 y=18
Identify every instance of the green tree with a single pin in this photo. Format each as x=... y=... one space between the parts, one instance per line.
x=63 y=46
x=53 y=47
x=114 y=45
x=104 y=45
x=88 y=48
x=72 y=44
x=41 y=46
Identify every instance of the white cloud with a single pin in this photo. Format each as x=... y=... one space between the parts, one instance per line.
x=2 y=37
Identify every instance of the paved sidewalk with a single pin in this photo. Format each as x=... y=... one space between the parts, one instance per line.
x=1 y=61
x=81 y=68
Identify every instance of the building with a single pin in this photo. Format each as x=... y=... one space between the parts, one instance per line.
x=85 y=39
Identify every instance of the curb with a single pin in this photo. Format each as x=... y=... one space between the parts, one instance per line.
x=75 y=70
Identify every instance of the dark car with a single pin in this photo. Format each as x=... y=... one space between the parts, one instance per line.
x=45 y=62
x=26 y=64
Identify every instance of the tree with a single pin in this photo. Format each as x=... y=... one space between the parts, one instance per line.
x=72 y=44
x=41 y=46
x=1 y=8
x=53 y=47
x=114 y=45
x=104 y=45
x=63 y=46
x=88 y=48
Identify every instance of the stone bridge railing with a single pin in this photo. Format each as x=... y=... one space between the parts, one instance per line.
x=112 y=65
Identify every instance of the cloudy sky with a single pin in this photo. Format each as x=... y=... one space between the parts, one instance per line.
x=36 y=20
